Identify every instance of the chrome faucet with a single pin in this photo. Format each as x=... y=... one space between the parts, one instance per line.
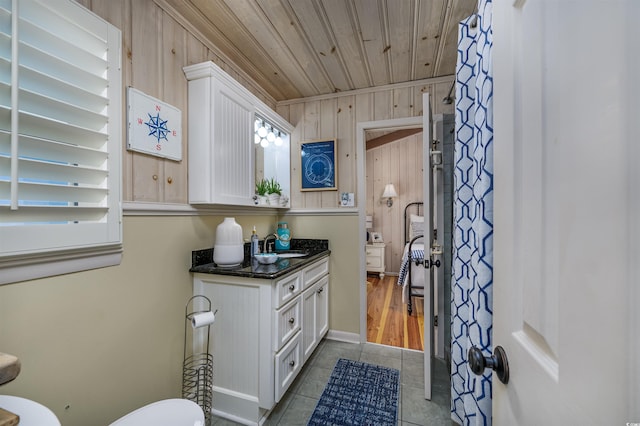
x=264 y=247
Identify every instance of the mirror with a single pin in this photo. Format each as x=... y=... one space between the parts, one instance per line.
x=272 y=162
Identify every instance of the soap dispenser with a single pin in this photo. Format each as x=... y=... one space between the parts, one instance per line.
x=284 y=237
x=255 y=246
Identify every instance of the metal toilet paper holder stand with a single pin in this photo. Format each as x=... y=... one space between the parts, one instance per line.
x=197 y=368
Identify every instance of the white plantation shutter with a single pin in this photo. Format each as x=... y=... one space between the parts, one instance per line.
x=60 y=129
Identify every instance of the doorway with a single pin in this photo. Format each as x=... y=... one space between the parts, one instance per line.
x=427 y=126
x=393 y=157
x=380 y=323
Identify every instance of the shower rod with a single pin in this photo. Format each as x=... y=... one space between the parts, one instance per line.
x=448 y=99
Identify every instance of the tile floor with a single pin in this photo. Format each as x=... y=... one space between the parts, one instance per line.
x=298 y=404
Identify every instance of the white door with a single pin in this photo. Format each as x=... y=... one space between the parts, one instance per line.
x=566 y=257
x=427 y=129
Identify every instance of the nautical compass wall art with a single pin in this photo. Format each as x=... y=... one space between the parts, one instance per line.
x=154 y=127
x=318 y=165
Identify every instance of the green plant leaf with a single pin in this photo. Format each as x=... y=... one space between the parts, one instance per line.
x=273 y=187
x=262 y=187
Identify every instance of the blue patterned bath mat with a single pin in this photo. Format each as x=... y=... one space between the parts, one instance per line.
x=358 y=394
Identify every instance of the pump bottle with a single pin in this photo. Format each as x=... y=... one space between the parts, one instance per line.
x=255 y=246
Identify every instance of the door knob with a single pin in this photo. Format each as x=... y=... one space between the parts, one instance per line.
x=429 y=263
x=497 y=362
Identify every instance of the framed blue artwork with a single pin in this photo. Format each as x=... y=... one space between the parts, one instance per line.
x=318 y=164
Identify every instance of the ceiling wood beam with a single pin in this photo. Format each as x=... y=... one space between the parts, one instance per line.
x=391 y=137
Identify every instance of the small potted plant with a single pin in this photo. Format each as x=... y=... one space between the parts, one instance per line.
x=262 y=189
x=274 y=190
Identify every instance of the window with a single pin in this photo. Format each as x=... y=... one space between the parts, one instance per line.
x=60 y=139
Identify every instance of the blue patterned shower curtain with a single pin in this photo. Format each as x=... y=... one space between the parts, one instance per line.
x=472 y=270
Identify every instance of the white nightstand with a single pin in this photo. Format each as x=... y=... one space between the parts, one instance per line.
x=375 y=258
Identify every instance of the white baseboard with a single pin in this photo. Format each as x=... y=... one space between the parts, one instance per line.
x=343 y=336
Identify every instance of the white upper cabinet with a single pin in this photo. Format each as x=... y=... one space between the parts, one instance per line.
x=224 y=158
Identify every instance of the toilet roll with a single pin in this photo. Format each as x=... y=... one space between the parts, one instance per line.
x=202 y=318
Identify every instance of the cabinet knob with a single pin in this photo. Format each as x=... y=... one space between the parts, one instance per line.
x=292 y=320
x=169 y=180
x=292 y=287
x=292 y=363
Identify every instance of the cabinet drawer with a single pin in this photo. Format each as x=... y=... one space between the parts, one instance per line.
x=374 y=262
x=374 y=251
x=287 y=322
x=288 y=365
x=287 y=288
x=315 y=271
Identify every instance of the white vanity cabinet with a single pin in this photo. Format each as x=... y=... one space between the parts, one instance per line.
x=257 y=340
x=222 y=152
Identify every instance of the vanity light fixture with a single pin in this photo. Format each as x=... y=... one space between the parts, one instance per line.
x=271 y=136
x=389 y=193
x=266 y=133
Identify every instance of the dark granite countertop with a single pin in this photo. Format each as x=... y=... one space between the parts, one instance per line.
x=202 y=261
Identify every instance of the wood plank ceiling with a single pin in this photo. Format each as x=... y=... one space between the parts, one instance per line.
x=302 y=48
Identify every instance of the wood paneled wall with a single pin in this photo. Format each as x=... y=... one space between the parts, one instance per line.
x=336 y=116
x=398 y=162
x=157 y=44
x=155 y=49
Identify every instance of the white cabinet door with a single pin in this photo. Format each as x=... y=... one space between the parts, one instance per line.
x=315 y=306
x=309 y=338
x=232 y=147
x=322 y=307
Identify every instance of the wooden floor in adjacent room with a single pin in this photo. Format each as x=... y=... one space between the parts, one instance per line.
x=388 y=321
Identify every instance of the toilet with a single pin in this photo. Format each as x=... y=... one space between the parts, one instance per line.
x=168 y=412
x=31 y=412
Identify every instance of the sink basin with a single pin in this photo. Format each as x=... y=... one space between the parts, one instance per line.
x=292 y=253
x=31 y=413
x=267 y=258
